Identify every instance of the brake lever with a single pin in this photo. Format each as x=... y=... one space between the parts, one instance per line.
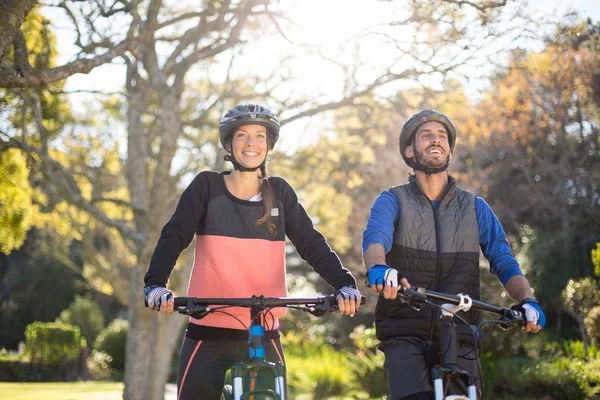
x=321 y=309
x=414 y=297
x=193 y=310
x=511 y=317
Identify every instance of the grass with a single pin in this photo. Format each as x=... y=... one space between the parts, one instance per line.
x=62 y=391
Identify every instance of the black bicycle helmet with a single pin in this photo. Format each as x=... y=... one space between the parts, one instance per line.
x=407 y=136
x=248 y=114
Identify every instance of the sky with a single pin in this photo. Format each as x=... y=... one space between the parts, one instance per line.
x=326 y=23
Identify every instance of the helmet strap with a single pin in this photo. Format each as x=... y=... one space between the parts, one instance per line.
x=239 y=167
x=428 y=171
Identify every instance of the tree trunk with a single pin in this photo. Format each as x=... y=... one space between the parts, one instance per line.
x=12 y=14
x=584 y=338
x=152 y=337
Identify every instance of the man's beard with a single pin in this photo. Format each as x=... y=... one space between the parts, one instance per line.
x=432 y=163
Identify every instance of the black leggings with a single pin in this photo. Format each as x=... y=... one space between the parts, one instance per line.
x=204 y=363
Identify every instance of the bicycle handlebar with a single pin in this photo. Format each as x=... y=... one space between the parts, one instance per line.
x=416 y=296
x=315 y=305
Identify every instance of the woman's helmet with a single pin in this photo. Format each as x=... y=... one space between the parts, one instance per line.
x=248 y=114
x=407 y=136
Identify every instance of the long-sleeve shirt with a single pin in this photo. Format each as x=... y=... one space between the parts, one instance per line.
x=234 y=255
x=494 y=245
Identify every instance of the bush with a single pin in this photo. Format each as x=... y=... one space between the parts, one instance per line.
x=50 y=343
x=85 y=314
x=592 y=324
x=322 y=374
x=12 y=368
x=574 y=350
x=112 y=341
x=54 y=351
x=315 y=368
x=367 y=366
x=370 y=374
x=98 y=364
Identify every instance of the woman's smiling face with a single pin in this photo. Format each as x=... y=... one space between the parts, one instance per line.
x=249 y=145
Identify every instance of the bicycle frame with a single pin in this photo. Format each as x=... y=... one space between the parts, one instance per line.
x=246 y=373
x=448 y=367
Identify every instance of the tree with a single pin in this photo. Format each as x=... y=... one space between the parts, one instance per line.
x=26 y=293
x=579 y=298
x=12 y=14
x=16 y=70
x=15 y=200
x=533 y=153
x=84 y=313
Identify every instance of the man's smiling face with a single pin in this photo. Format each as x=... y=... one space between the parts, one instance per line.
x=431 y=145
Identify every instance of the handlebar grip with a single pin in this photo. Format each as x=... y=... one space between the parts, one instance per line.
x=180 y=301
x=332 y=299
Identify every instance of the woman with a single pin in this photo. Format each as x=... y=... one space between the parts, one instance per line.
x=240 y=220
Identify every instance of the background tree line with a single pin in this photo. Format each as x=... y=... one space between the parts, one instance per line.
x=84 y=195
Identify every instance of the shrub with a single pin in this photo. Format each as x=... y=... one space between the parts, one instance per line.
x=574 y=349
x=98 y=364
x=370 y=374
x=50 y=343
x=520 y=377
x=85 y=314
x=589 y=376
x=364 y=338
x=323 y=374
x=112 y=341
x=592 y=324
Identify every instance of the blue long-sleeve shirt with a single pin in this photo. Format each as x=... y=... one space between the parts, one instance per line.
x=492 y=239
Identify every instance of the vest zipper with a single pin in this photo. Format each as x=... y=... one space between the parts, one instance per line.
x=438 y=270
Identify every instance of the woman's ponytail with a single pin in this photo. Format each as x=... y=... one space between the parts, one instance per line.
x=268 y=199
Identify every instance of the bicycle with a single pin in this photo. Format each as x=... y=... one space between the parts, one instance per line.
x=447 y=369
x=245 y=373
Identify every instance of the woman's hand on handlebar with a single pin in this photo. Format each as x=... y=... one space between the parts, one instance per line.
x=159 y=298
x=348 y=299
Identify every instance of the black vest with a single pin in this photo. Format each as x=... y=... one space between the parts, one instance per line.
x=436 y=249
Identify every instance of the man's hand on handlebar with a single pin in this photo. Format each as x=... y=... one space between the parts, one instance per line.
x=383 y=278
x=535 y=317
x=159 y=298
x=348 y=299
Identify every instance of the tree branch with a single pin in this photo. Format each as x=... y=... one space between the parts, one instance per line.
x=63 y=180
x=12 y=77
x=120 y=203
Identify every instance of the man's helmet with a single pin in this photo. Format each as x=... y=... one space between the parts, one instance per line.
x=248 y=114
x=407 y=136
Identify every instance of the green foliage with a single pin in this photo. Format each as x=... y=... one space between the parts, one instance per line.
x=574 y=350
x=580 y=296
x=364 y=338
x=62 y=391
x=592 y=325
x=85 y=314
x=369 y=373
x=53 y=344
x=559 y=370
x=112 y=341
x=30 y=294
x=323 y=371
x=596 y=259
x=15 y=200
x=98 y=364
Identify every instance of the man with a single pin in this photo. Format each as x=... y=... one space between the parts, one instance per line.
x=428 y=233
